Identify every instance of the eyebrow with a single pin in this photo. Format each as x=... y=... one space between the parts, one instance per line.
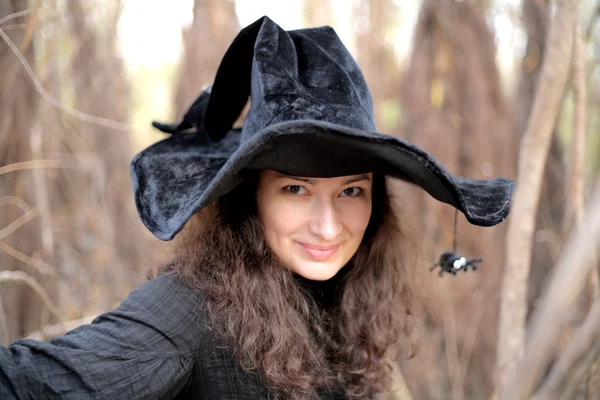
x=363 y=177
x=313 y=181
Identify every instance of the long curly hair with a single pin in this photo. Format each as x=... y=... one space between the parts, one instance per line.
x=274 y=325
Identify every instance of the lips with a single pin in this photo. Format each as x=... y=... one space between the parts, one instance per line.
x=318 y=252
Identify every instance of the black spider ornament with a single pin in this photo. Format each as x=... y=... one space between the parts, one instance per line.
x=452 y=263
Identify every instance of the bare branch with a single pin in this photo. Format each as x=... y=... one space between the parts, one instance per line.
x=19 y=222
x=532 y=159
x=469 y=341
x=574 y=361
x=32 y=23
x=576 y=176
x=555 y=309
x=22 y=277
x=41 y=193
x=451 y=348
x=14 y=26
x=14 y=200
x=35 y=263
x=18 y=166
x=26 y=12
x=575 y=200
x=120 y=126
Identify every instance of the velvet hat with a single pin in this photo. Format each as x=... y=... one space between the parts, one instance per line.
x=311 y=115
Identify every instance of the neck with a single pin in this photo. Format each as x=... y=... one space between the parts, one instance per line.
x=323 y=292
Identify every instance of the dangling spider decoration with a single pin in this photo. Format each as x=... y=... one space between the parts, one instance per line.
x=451 y=262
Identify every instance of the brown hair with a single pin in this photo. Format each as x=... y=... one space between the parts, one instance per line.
x=261 y=311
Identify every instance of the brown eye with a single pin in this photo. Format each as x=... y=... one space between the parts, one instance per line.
x=352 y=192
x=295 y=189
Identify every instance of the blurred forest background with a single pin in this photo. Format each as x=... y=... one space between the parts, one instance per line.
x=80 y=82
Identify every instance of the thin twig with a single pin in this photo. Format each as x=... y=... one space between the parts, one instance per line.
x=22 y=277
x=13 y=26
x=14 y=200
x=27 y=12
x=21 y=165
x=57 y=103
x=556 y=306
x=19 y=222
x=32 y=22
x=41 y=193
x=551 y=240
x=574 y=361
x=576 y=175
x=469 y=341
x=451 y=345
x=35 y=263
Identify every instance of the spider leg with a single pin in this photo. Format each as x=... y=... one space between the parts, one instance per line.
x=471 y=263
x=434 y=266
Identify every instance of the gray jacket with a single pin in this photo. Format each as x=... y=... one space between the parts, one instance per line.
x=155 y=345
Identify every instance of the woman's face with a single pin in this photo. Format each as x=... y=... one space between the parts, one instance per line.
x=314 y=225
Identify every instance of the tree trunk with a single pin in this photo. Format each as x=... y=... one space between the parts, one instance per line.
x=317 y=13
x=549 y=241
x=532 y=160
x=111 y=242
x=213 y=29
x=23 y=311
x=376 y=56
x=453 y=107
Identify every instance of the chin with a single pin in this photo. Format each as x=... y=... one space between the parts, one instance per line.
x=317 y=271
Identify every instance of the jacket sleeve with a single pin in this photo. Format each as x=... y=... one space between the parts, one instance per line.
x=144 y=349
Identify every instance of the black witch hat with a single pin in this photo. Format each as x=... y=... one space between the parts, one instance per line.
x=311 y=114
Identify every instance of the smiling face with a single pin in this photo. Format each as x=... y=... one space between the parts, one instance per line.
x=314 y=225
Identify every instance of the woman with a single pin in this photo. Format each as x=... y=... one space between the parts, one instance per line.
x=287 y=280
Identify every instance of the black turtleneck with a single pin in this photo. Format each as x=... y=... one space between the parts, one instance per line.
x=324 y=293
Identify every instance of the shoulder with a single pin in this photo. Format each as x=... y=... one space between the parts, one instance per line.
x=163 y=306
x=168 y=289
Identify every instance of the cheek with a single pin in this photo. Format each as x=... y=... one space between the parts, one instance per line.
x=357 y=218
x=279 y=220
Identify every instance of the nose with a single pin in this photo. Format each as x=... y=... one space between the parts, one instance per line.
x=325 y=221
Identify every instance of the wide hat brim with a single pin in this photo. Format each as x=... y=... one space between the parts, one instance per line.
x=177 y=176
